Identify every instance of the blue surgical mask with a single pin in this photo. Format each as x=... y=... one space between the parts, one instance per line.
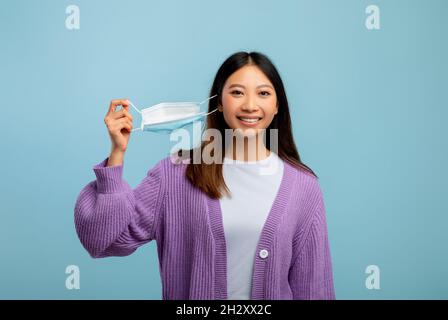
x=169 y=116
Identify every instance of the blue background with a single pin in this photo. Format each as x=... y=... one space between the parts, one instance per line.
x=369 y=109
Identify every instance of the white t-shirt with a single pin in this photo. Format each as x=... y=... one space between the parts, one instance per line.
x=253 y=186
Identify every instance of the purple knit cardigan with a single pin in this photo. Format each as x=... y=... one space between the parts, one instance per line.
x=112 y=219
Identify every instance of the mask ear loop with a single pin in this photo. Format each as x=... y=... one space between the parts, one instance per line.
x=206 y=101
x=206 y=114
x=210 y=112
x=136 y=109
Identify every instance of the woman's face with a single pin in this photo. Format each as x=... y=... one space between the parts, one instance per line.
x=248 y=100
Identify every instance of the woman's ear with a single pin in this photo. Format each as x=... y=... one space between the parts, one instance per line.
x=220 y=108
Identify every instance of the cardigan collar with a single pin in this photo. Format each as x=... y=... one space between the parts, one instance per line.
x=265 y=242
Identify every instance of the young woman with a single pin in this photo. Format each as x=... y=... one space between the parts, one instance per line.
x=251 y=226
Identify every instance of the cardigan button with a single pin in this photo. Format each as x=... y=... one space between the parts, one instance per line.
x=264 y=254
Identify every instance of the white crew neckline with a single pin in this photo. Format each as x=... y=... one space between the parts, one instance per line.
x=262 y=161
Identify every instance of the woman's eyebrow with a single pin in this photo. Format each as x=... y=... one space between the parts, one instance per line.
x=240 y=85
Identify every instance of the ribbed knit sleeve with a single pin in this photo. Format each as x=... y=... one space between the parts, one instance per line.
x=111 y=218
x=311 y=275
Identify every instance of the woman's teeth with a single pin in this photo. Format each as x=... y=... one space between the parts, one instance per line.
x=250 y=120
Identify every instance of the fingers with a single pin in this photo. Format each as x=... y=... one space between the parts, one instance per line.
x=112 y=116
x=118 y=102
x=123 y=113
x=126 y=124
x=123 y=123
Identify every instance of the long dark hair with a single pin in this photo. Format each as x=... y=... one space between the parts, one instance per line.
x=208 y=177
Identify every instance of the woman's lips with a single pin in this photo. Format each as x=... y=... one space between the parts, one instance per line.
x=249 y=121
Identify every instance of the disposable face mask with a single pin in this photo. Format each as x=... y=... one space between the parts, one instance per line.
x=169 y=116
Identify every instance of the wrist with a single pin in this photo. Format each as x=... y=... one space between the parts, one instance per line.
x=116 y=158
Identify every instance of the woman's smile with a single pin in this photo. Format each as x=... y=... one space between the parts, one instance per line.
x=249 y=121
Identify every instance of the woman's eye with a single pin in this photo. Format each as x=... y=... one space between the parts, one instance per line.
x=236 y=92
x=265 y=93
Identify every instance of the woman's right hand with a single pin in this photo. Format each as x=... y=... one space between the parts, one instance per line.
x=119 y=126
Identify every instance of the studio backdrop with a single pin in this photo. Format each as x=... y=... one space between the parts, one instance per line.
x=367 y=84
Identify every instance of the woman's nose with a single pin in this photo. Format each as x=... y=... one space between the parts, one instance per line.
x=250 y=105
